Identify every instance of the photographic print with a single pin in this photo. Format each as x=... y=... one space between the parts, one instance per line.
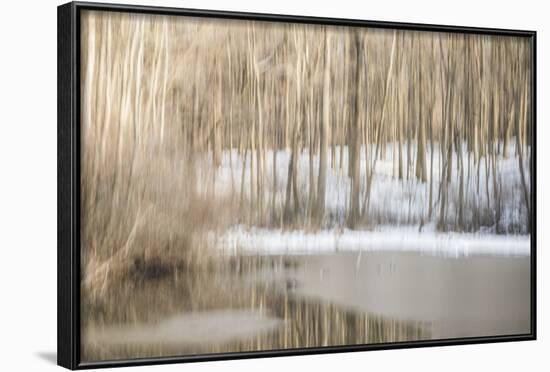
x=252 y=185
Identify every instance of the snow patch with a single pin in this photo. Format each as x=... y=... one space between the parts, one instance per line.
x=392 y=200
x=241 y=240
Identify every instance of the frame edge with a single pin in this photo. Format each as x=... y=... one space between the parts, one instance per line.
x=66 y=269
x=68 y=276
x=533 y=170
x=293 y=18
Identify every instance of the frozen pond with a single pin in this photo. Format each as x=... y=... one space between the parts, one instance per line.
x=466 y=296
x=447 y=297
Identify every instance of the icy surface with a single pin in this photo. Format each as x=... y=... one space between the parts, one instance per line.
x=203 y=327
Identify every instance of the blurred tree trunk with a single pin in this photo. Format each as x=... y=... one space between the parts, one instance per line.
x=354 y=130
x=323 y=133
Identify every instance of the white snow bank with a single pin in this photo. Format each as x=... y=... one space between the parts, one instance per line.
x=392 y=200
x=274 y=242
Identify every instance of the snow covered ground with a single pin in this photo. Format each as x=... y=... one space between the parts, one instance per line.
x=241 y=240
x=393 y=201
x=398 y=217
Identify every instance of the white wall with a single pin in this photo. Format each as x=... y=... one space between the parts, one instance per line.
x=28 y=183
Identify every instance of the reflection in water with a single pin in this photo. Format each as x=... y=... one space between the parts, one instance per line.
x=214 y=326
x=253 y=303
x=265 y=303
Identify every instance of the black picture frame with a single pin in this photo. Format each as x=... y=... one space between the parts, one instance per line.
x=68 y=189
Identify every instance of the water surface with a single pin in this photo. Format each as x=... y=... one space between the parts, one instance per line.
x=343 y=298
x=461 y=297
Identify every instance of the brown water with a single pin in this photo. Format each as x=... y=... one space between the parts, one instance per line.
x=311 y=301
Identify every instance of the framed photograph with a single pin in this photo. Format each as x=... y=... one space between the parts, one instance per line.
x=237 y=185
